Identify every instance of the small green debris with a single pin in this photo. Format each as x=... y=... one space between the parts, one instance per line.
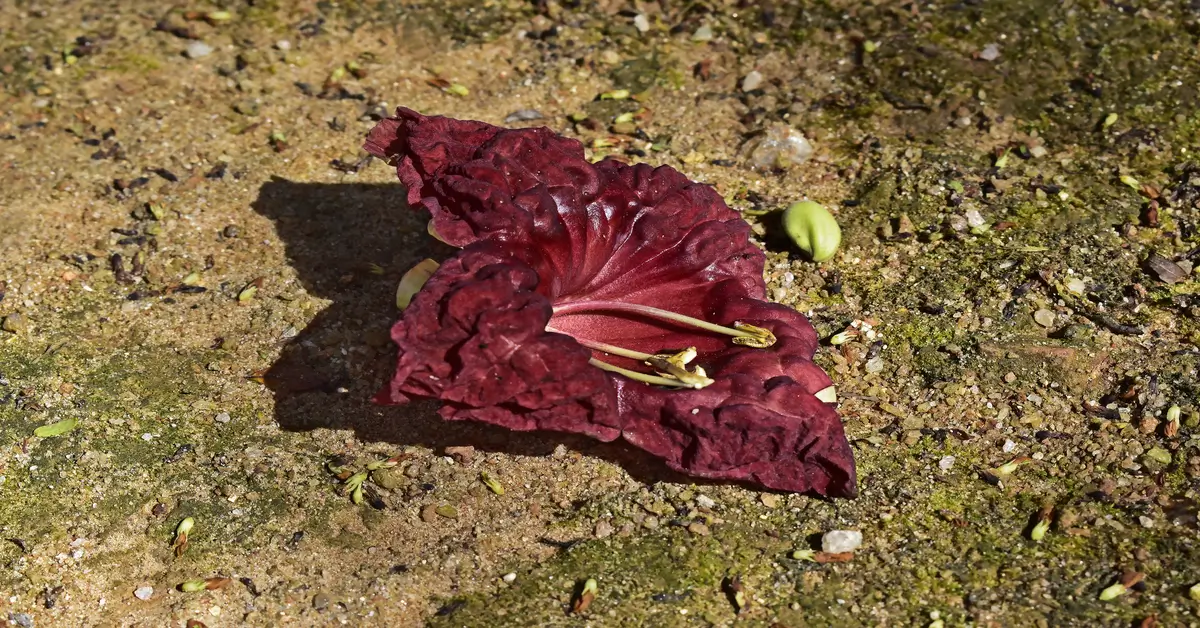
x=56 y=429
x=193 y=586
x=601 y=142
x=1122 y=586
x=181 y=535
x=157 y=211
x=15 y=323
x=413 y=280
x=813 y=229
x=1002 y=160
x=1045 y=516
x=354 y=486
x=1110 y=120
x=737 y=593
x=492 y=483
x=1171 y=429
x=587 y=593
x=1010 y=466
x=218 y=17
x=1133 y=183
x=191 y=280
x=870 y=46
x=616 y=94
x=624 y=118
x=457 y=89
x=447 y=511
x=278 y=141
x=957 y=186
x=247 y=294
x=805 y=555
x=1160 y=455
x=1194 y=592
x=386 y=463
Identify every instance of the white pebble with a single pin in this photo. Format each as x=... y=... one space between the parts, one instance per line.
x=143 y=593
x=283 y=45
x=508 y=578
x=840 y=541
x=1008 y=445
x=704 y=501
x=991 y=52
x=753 y=81
x=641 y=23
x=945 y=463
x=222 y=418
x=197 y=49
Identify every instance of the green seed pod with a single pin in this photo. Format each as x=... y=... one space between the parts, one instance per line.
x=813 y=229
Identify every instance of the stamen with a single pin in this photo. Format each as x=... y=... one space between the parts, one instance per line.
x=671 y=366
x=743 y=334
x=642 y=377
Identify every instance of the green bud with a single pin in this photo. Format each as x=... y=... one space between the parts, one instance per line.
x=1194 y=592
x=185 y=526
x=1110 y=120
x=813 y=229
x=457 y=89
x=1131 y=182
x=616 y=94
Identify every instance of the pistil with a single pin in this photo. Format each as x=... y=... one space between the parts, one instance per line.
x=742 y=334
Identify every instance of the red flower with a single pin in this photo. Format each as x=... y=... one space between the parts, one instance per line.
x=585 y=297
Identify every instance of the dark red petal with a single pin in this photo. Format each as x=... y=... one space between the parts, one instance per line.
x=475 y=338
x=772 y=433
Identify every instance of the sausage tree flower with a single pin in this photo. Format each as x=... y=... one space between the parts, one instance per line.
x=604 y=299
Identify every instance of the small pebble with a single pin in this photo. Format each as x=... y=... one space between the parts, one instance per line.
x=699 y=529
x=429 y=513
x=1044 y=317
x=15 y=324
x=990 y=52
x=770 y=500
x=704 y=501
x=604 y=529
x=1008 y=444
x=222 y=417
x=283 y=45
x=320 y=601
x=22 y=619
x=946 y=462
x=198 y=49
x=641 y=23
x=508 y=578
x=702 y=34
x=840 y=541
x=753 y=81
x=143 y=593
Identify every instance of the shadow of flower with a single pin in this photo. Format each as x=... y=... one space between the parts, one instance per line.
x=326 y=375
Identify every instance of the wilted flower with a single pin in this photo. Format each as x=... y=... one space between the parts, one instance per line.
x=605 y=299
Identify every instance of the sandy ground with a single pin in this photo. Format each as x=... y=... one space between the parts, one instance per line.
x=198 y=266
